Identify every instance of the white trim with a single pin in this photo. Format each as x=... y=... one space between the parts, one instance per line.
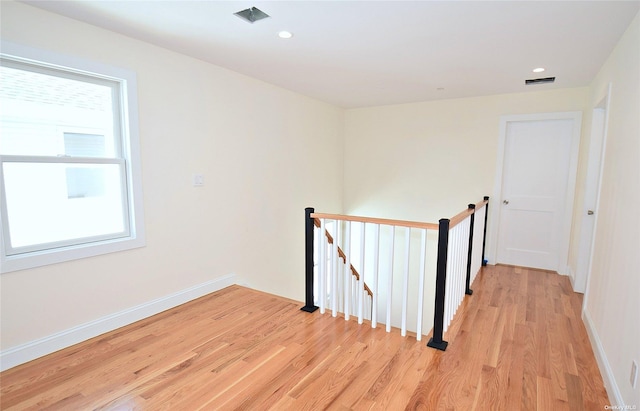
x=130 y=150
x=603 y=364
x=576 y=116
x=583 y=252
x=34 y=349
x=571 y=276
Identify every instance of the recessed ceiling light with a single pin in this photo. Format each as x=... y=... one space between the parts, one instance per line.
x=538 y=70
x=285 y=34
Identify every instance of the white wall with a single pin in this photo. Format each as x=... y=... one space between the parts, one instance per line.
x=426 y=161
x=612 y=308
x=265 y=153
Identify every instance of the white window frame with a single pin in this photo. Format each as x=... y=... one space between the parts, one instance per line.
x=130 y=161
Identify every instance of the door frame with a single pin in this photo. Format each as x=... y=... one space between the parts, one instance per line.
x=593 y=184
x=565 y=238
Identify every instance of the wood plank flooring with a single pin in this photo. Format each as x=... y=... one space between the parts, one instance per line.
x=517 y=344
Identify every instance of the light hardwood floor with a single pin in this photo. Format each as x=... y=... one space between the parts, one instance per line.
x=517 y=344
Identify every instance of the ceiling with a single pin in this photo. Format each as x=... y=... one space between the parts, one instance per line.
x=369 y=53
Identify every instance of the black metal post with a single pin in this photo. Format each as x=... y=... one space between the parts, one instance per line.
x=484 y=235
x=468 y=290
x=308 y=257
x=441 y=277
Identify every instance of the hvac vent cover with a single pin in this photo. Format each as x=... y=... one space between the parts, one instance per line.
x=252 y=14
x=539 y=81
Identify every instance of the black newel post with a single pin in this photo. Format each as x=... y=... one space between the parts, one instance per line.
x=441 y=278
x=308 y=259
x=468 y=290
x=484 y=235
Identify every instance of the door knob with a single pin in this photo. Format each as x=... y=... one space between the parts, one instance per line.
x=589 y=212
x=505 y=202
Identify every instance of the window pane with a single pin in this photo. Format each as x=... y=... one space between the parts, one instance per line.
x=84 y=145
x=39 y=111
x=58 y=202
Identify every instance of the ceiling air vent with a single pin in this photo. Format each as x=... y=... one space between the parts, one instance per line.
x=252 y=14
x=544 y=80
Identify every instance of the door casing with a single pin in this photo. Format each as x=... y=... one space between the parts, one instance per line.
x=595 y=164
x=565 y=236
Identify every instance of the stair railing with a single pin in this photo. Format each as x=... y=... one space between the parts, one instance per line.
x=339 y=286
x=460 y=257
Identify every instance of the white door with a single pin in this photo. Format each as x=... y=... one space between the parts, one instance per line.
x=536 y=194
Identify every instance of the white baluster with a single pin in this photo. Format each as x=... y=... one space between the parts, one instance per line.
x=451 y=276
x=456 y=275
x=322 y=273
x=374 y=289
x=361 y=280
x=475 y=257
x=347 y=271
x=354 y=295
x=478 y=232
x=405 y=289
x=390 y=278
x=334 y=271
x=448 y=284
x=423 y=266
x=340 y=279
x=465 y=259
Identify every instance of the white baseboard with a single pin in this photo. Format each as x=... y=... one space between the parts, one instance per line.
x=34 y=349
x=572 y=278
x=603 y=364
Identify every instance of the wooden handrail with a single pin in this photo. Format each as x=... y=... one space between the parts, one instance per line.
x=458 y=218
x=402 y=223
x=373 y=220
x=481 y=204
x=342 y=255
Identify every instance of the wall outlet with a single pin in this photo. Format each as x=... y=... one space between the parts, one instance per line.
x=634 y=374
x=198 y=180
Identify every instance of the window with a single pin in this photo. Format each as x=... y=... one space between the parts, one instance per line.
x=69 y=162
